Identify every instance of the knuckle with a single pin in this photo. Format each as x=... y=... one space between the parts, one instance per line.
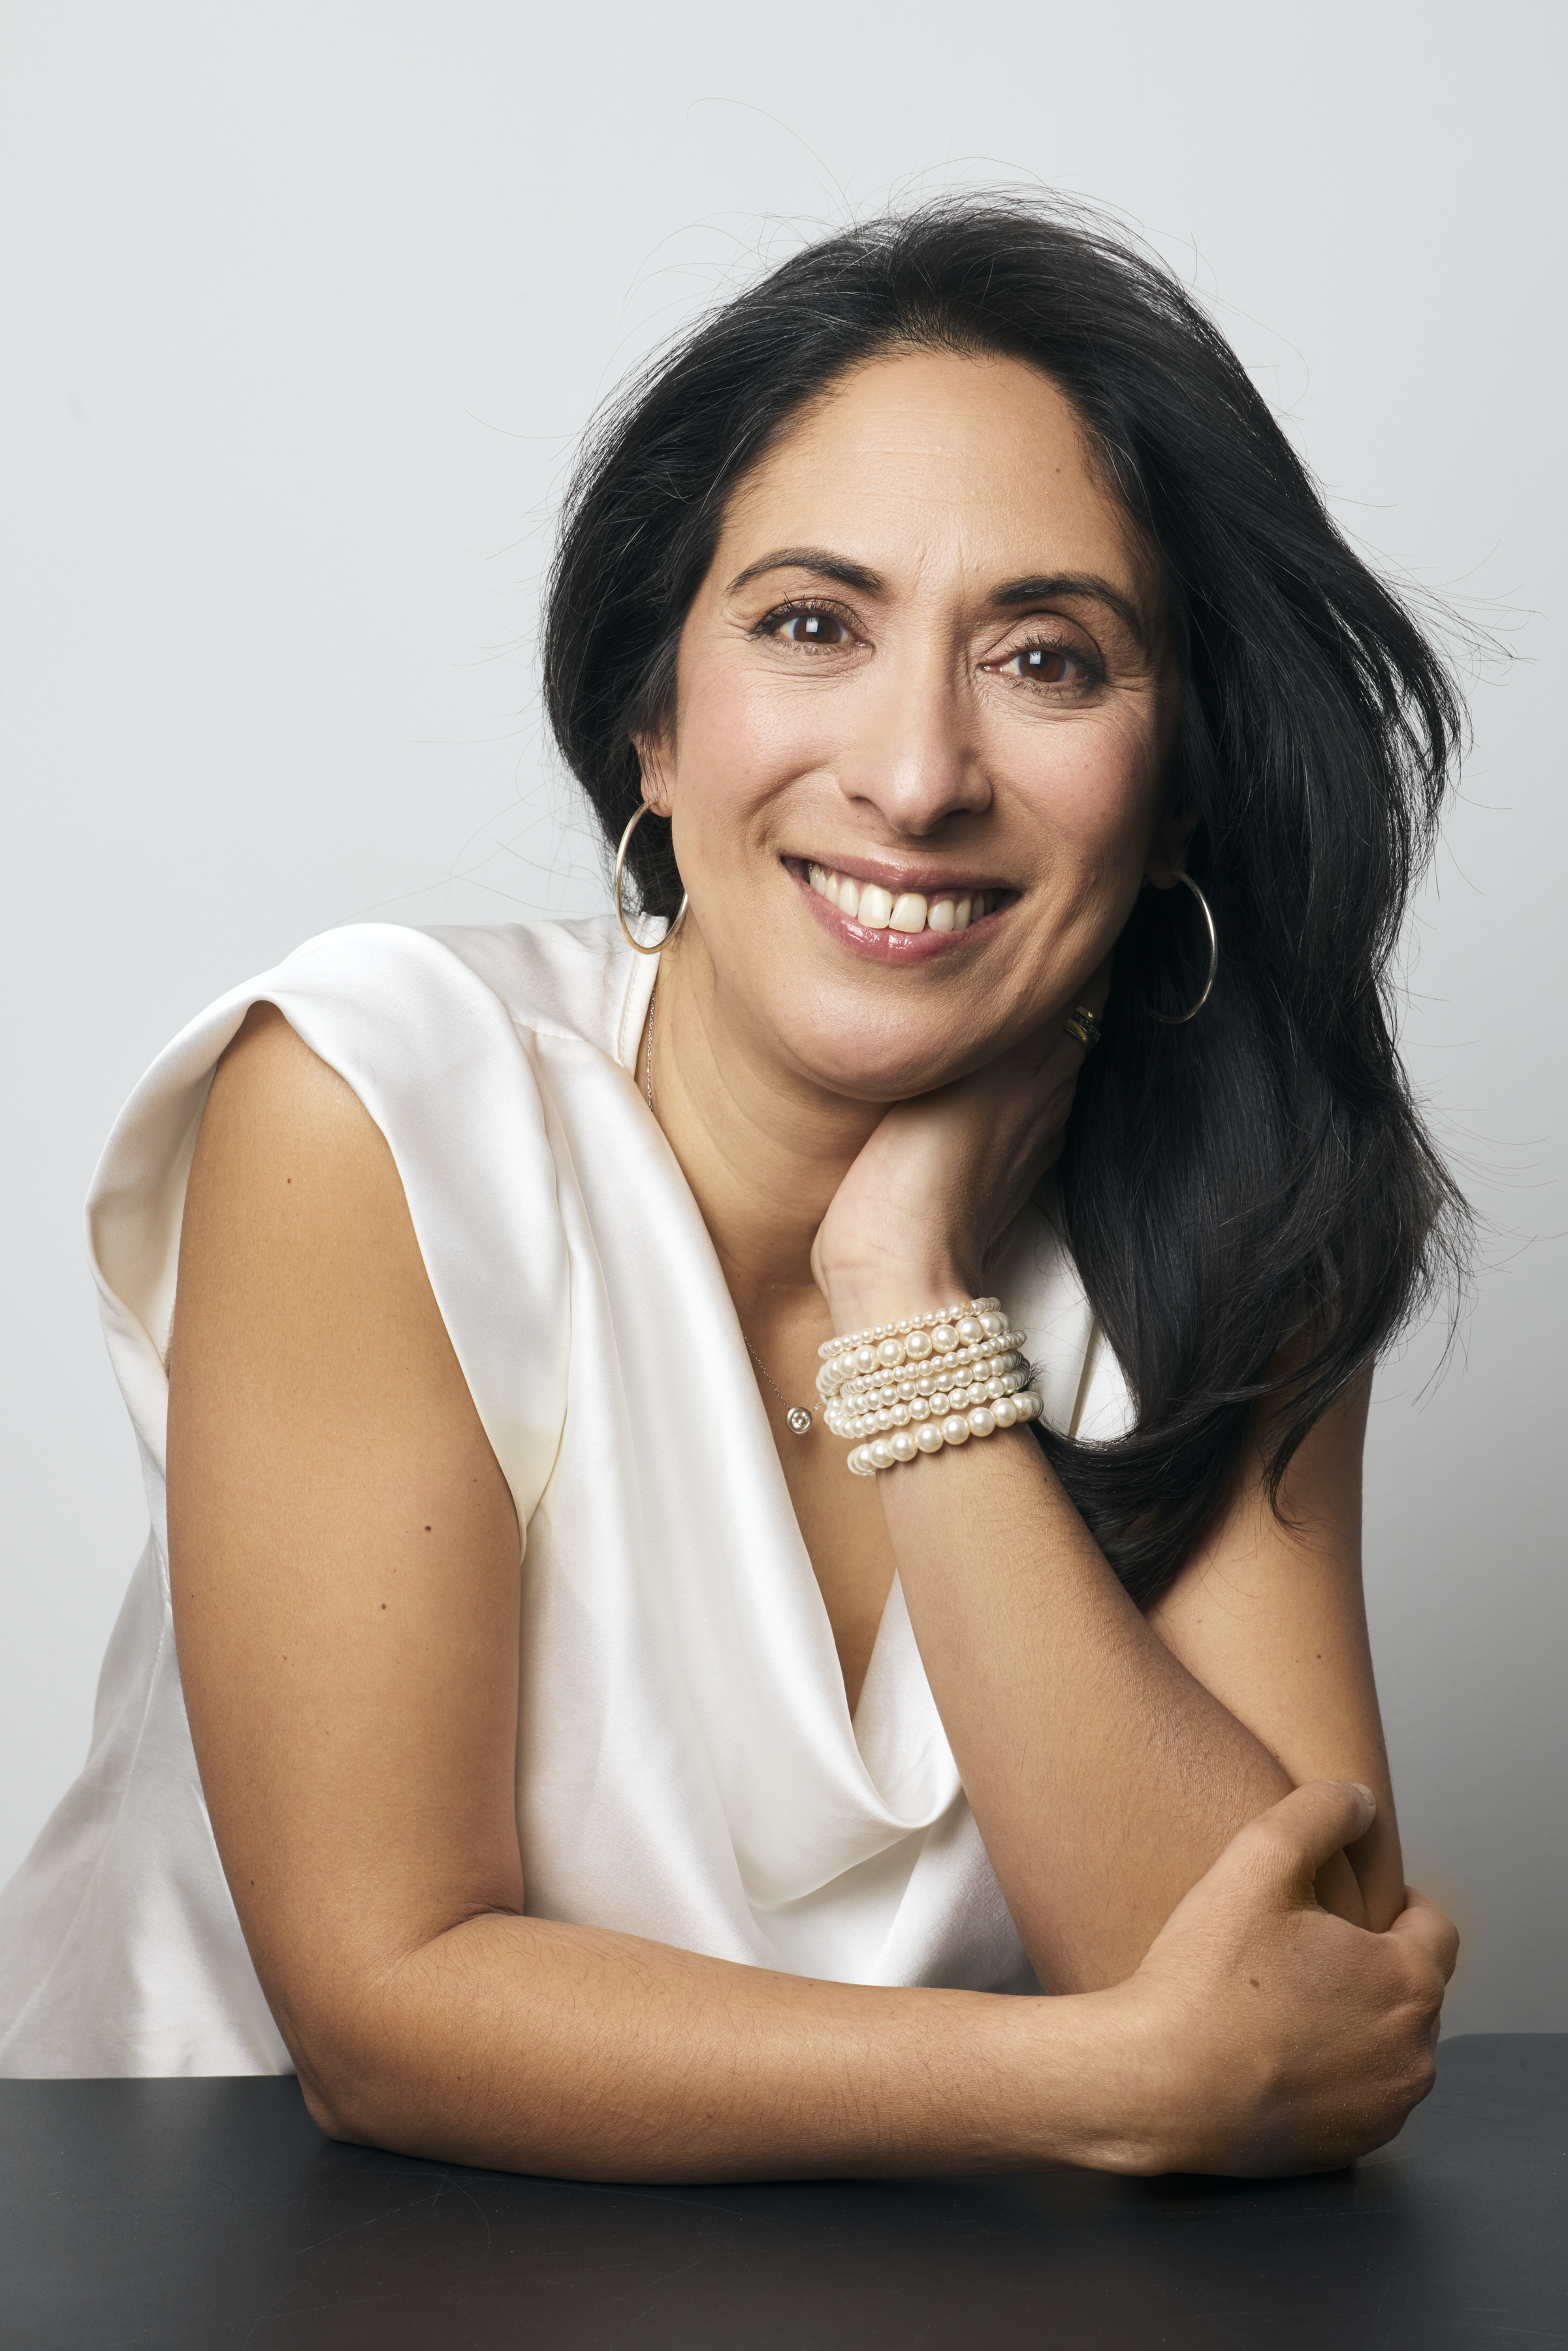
x=1269 y=1849
x=1416 y=2083
x=1424 y=1989
x=1414 y=2078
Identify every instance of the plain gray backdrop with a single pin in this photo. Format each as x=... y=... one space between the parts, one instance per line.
x=305 y=307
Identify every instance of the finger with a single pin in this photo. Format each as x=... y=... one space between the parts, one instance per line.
x=1039 y=1048
x=1092 y=998
x=1290 y=1842
x=1050 y=1056
x=1433 y=1934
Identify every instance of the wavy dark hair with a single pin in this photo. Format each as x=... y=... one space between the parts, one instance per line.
x=1253 y=1189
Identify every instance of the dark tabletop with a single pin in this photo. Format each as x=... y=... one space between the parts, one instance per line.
x=141 y=2215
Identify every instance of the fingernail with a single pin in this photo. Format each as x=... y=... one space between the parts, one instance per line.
x=1371 y=1799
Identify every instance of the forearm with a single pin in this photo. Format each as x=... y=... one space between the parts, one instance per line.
x=1104 y=1777
x=527 y=2046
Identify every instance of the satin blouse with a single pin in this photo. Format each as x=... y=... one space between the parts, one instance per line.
x=687 y=1765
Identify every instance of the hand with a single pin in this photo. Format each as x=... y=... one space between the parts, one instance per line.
x=1273 y=2037
x=943 y=1176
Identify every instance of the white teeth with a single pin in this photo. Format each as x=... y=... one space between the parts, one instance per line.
x=910 y=912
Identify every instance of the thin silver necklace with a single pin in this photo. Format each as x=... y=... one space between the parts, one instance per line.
x=796 y=1419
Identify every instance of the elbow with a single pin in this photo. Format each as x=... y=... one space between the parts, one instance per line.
x=346 y=2091
x=354 y=2079
x=382 y=2049
x=362 y=2103
x=325 y=2105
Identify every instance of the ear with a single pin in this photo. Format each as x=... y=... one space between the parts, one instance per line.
x=1166 y=860
x=653 y=760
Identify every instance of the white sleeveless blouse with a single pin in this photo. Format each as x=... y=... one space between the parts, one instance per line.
x=687 y=1766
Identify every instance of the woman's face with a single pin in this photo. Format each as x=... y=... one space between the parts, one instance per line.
x=915 y=770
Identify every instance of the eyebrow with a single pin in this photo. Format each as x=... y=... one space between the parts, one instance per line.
x=813 y=558
x=1033 y=589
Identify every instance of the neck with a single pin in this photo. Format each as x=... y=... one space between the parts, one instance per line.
x=763 y=1149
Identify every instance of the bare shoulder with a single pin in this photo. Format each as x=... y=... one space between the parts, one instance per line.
x=292 y=1177
x=301 y=1286
x=271 y=1093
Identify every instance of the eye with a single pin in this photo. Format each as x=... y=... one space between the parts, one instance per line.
x=805 y=624
x=1049 y=665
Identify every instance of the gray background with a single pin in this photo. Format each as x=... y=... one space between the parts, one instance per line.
x=305 y=306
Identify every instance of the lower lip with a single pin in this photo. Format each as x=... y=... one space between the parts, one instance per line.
x=890 y=947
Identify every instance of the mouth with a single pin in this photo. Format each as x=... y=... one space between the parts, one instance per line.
x=896 y=916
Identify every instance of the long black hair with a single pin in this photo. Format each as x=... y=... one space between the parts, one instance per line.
x=1253 y=1188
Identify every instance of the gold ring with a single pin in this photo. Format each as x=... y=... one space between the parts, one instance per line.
x=1084 y=1025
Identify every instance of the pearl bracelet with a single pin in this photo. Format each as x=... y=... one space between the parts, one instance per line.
x=982 y=1379
x=914 y=1339
x=931 y=1435
x=931 y=1380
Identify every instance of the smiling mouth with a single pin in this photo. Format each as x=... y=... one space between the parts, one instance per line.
x=907 y=912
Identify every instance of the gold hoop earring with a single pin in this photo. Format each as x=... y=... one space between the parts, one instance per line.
x=1179 y=1020
x=660 y=944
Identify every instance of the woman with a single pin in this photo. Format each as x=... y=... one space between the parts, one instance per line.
x=966 y=668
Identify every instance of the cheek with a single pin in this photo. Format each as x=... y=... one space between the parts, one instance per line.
x=739 y=739
x=1097 y=791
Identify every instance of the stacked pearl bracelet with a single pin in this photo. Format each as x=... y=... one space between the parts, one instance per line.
x=932 y=1380
x=890 y=1342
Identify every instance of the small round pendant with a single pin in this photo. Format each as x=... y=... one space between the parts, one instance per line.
x=799 y=1419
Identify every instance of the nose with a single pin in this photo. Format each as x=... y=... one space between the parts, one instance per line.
x=913 y=755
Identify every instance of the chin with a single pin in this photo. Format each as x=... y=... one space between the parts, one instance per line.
x=886 y=1063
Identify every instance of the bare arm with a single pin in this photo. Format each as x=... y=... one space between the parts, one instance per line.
x=344 y=1560
x=1269 y=1616
x=1108 y=1756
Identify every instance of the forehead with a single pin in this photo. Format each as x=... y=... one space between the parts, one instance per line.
x=939 y=459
